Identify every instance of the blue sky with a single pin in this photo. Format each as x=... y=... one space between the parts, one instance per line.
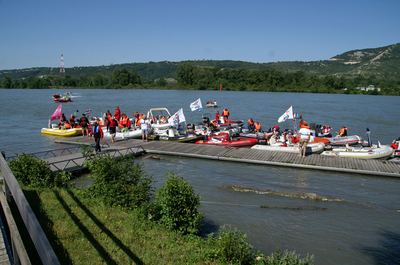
x=35 y=33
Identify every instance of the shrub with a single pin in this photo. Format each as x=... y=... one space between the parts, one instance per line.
x=231 y=246
x=286 y=258
x=87 y=151
x=36 y=173
x=119 y=182
x=178 y=205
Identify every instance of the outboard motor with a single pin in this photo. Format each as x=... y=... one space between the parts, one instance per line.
x=369 y=137
x=206 y=121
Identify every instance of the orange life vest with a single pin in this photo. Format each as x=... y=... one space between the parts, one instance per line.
x=225 y=113
x=343 y=131
x=258 y=127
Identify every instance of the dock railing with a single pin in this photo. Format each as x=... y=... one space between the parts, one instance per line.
x=12 y=192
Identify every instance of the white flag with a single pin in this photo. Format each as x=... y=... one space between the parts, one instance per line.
x=196 y=105
x=177 y=118
x=287 y=115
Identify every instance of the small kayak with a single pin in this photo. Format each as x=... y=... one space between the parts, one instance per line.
x=374 y=152
x=61 y=132
x=314 y=148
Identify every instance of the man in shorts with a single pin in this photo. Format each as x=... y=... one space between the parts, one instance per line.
x=145 y=127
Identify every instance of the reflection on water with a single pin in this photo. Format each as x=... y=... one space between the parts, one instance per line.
x=301 y=179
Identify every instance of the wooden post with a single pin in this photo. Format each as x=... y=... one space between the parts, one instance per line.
x=38 y=236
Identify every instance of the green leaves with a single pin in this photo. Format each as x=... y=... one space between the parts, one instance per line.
x=178 y=205
x=119 y=182
x=36 y=173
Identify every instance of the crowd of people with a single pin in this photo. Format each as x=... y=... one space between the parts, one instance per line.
x=120 y=121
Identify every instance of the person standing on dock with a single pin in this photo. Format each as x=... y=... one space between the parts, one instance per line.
x=97 y=133
x=144 y=126
x=304 y=133
x=113 y=124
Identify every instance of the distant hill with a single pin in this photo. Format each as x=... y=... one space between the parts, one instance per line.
x=383 y=62
x=380 y=62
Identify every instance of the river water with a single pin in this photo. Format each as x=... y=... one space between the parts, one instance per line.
x=357 y=221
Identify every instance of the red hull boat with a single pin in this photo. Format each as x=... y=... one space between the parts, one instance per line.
x=223 y=139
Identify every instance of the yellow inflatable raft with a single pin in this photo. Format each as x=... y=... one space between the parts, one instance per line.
x=60 y=132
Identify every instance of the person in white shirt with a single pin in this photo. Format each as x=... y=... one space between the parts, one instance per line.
x=304 y=133
x=144 y=126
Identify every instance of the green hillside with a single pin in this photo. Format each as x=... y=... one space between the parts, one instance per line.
x=377 y=66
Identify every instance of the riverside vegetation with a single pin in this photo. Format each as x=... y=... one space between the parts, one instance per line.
x=119 y=220
x=343 y=73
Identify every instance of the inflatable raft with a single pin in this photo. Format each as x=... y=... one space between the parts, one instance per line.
x=311 y=148
x=373 y=152
x=61 y=132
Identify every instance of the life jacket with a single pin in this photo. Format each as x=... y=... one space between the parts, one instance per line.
x=303 y=124
x=84 y=122
x=117 y=113
x=258 y=126
x=225 y=113
x=67 y=126
x=343 y=131
x=113 y=123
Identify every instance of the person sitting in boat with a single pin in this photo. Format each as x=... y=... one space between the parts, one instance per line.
x=66 y=126
x=213 y=126
x=63 y=119
x=206 y=121
x=136 y=118
x=124 y=122
x=72 y=121
x=342 y=131
x=205 y=134
x=257 y=126
x=163 y=120
x=325 y=131
x=84 y=123
x=217 y=117
x=250 y=125
x=225 y=114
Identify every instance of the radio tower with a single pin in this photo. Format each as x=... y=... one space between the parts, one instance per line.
x=62 y=69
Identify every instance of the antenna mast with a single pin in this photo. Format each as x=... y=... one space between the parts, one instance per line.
x=62 y=69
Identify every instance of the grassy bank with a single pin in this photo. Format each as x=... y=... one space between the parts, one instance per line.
x=118 y=219
x=83 y=230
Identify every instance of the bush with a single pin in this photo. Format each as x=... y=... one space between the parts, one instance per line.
x=36 y=173
x=286 y=258
x=119 y=182
x=231 y=246
x=178 y=205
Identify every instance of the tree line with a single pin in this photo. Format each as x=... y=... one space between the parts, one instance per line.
x=190 y=76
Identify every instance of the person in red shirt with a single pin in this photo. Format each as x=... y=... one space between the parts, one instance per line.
x=117 y=113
